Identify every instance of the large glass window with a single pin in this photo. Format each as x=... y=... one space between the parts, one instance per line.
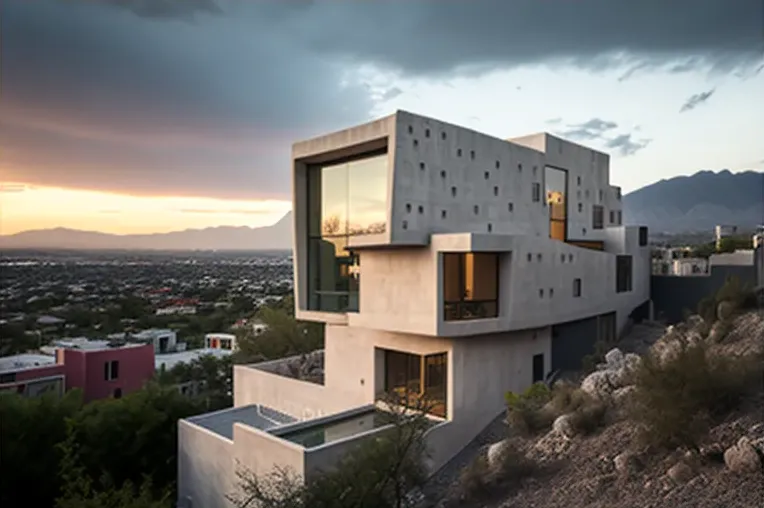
x=556 y=181
x=623 y=275
x=345 y=199
x=412 y=376
x=470 y=285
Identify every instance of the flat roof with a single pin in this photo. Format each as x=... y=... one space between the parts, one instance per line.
x=25 y=361
x=257 y=416
x=169 y=360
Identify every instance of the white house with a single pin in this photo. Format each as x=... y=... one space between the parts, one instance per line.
x=440 y=260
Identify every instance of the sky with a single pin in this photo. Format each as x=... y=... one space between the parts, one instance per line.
x=136 y=116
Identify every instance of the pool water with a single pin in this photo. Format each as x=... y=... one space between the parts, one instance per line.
x=327 y=432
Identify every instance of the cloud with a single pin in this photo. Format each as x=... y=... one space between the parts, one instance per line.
x=602 y=132
x=592 y=129
x=12 y=187
x=204 y=97
x=696 y=100
x=625 y=145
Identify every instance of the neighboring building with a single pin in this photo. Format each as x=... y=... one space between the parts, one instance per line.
x=723 y=231
x=677 y=261
x=97 y=367
x=176 y=310
x=31 y=375
x=163 y=340
x=220 y=341
x=433 y=258
x=257 y=326
x=168 y=360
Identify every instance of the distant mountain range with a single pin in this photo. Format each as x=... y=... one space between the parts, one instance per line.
x=275 y=237
x=697 y=203
x=684 y=204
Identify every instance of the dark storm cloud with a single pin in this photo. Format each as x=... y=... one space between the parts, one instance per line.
x=696 y=100
x=204 y=97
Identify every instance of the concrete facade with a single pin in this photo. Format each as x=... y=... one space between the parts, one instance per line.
x=444 y=190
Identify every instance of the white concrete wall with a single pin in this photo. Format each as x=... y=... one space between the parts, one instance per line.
x=205 y=468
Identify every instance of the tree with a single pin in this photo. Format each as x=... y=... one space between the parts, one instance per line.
x=381 y=473
x=284 y=336
x=32 y=429
x=127 y=439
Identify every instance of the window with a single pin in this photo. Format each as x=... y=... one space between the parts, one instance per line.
x=470 y=285
x=620 y=217
x=413 y=376
x=642 y=236
x=111 y=370
x=536 y=192
x=623 y=274
x=8 y=377
x=346 y=198
x=598 y=217
x=538 y=368
x=576 y=288
x=556 y=187
x=612 y=217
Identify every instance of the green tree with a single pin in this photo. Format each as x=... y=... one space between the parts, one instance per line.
x=32 y=429
x=128 y=439
x=284 y=336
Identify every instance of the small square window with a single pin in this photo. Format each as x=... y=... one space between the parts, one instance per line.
x=498 y=164
x=580 y=208
x=476 y=209
x=576 y=288
x=472 y=154
x=421 y=209
x=490 y=227
x=411 y=129
x=530 y=257
x=416 y=143
x=453 y=191
x=486 y=175
x=495 y=191
x=408 y=207
x=520 y=167
x=541 y=293
x=510 y=207
x=442 y=214
x=443 y=136
x=578 y=180
x=536 y=192
x=421 y=165
x=458 y=152
x=538 y=257
x=427 y=133
x=442 y=174
x=551 y=292
x=612 y=216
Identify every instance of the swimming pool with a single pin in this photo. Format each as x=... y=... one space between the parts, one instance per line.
x=334 y=430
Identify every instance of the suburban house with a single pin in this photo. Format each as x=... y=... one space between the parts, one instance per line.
x=442 y=261
x=99 y=368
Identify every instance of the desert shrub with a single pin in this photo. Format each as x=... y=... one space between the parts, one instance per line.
x=677 y=398
x=525 y=410
x=589 y=416
x=479 y=481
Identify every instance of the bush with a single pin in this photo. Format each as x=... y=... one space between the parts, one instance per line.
x=677 y=399
x=479 y=481
x=525 y=411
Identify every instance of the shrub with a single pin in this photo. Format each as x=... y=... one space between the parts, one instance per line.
x=479 y=481
x=677 y=399
x=525 y=410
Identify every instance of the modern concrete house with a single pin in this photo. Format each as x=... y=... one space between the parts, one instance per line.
x=442 y=261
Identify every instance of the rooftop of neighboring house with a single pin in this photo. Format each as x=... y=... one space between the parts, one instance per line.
x=151 y=333
x=85 y=344
x=49 y=320
x=170 y=360
x=25 y=361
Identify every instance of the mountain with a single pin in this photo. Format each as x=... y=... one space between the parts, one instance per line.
x=275 y=237
x=698 y=203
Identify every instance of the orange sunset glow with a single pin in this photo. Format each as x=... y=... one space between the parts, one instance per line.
x=24 y=207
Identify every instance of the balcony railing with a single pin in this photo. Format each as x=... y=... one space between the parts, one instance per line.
x=470 y=309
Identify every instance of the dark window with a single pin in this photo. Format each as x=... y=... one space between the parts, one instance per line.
x=111 y=370
x=598 y=217
x=623 y=274
x=576 y=288
x=620 y=217
x=642 y=236
x=412 y=376
x=470 y=285
x=538 y=368
x=8 y=377
x=106 y=371
x=536 y=192
x=118 y=393
x=612 y=217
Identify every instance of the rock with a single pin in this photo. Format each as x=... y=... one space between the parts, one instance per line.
x=496 y=453
x=680 y=473
x=563 y=425
x=627 y=463
x=623 y=396
x=614 y=358
x=743 y=457
x=724 y=310
x=597 y=384
x=631 y=362
x=713 y=452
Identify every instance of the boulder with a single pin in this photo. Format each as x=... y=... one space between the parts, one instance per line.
x=627 y=463
x=496 y=453
x=598 y=384
x=743 y=457
x=563 y=425
x=614 y=359
x=680 y=473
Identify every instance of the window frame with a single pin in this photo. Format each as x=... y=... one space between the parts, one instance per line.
x=410 y=398
x=462 y=307
x=624 y=277
x=598 y=217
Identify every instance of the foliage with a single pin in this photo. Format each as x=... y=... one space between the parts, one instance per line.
x=284 y=336
x=679 y=397
x=737 y=295
x=129 y=438
x=380 y=473
x=80 y=494
x=524 y=410
x=726 y=244
x=213 y=375
x=31 y=432
x=478 y=481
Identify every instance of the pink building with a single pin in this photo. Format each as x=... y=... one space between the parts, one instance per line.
x=95 y=367
x=102 y=372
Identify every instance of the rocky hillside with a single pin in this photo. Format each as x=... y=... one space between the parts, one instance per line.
x=608 y=442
